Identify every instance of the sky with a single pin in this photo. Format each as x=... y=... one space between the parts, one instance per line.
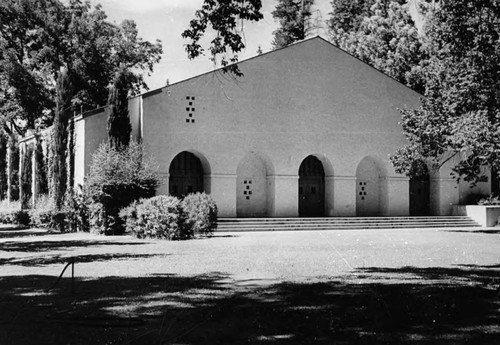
x=167 y=19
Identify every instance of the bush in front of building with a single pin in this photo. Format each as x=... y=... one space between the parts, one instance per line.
x=201 y=213
x=160 y=217
x=117 y=178
x=11 y=213
x=72 y=217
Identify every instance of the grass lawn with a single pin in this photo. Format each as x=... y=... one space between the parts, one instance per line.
x=421 y=286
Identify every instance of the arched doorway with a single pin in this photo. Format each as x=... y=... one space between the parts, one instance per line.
x=185 y=175
x=419 y=189
x=252 y=187
x=367 y=188
x=311 y=188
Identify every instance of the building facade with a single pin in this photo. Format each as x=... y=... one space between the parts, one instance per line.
x=307 y=131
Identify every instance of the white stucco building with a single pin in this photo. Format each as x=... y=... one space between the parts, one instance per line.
x=307 y=131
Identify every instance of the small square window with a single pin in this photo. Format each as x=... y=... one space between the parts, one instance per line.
x=364 y=193
x=362 y=188
x=245 y=182
x=192 y=109
x=245 y=192
x=187 y=120
x=362 y=198
x=190 y=115
x=360 y=193
x=250 y=182
x=192 y=120
x=249 y=192
x=187 y=97
x=248 y=198
x=187 y=109
x=361 y=183
x=190 y=103
x=192 y=98
x=248 y=187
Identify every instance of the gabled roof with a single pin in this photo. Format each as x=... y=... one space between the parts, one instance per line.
x=295 y=44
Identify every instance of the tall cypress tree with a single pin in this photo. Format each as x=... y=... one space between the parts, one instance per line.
x=119 y=127
x=64 y=94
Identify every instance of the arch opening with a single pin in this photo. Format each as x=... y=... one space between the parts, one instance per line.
x=419 y=189
x=311 y=188
x=185 y=175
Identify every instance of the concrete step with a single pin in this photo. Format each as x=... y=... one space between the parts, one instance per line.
x=341 y=223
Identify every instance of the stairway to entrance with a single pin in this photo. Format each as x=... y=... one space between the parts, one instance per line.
x=344 y=223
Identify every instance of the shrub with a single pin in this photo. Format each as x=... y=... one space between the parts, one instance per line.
x=72 y=217
x=41 y=213
x=76 y=210
x=159 y=217
x=9 y=206
x=474 y=198
x=117 y=178
x=8 y=211
x=201 y=213
x=100 y=221
x=489 y=200
x=22 y=217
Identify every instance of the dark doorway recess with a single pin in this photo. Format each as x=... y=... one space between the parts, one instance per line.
x=185 y=175
x=311 y=188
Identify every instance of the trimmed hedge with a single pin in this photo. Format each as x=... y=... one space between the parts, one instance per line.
x=159 y=217
x=167 y=217
x=201 y=213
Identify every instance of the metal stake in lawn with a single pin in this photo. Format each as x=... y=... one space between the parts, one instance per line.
x=71 y=261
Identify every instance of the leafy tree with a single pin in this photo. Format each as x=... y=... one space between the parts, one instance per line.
x=38 y=37
x=294 y=19
x=459 y=117
x=119 y=127
x=224 y=18
x=347 y=16
x=384 y=35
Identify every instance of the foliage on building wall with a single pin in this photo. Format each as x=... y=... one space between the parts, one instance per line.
x=13 y=175
x=26 y=177
x=3 y=165
x=41 y=171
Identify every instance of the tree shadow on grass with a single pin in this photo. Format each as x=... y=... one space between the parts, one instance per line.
x=405 y=305
x=41 y=246
x=23 y=233
x=60 y=259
